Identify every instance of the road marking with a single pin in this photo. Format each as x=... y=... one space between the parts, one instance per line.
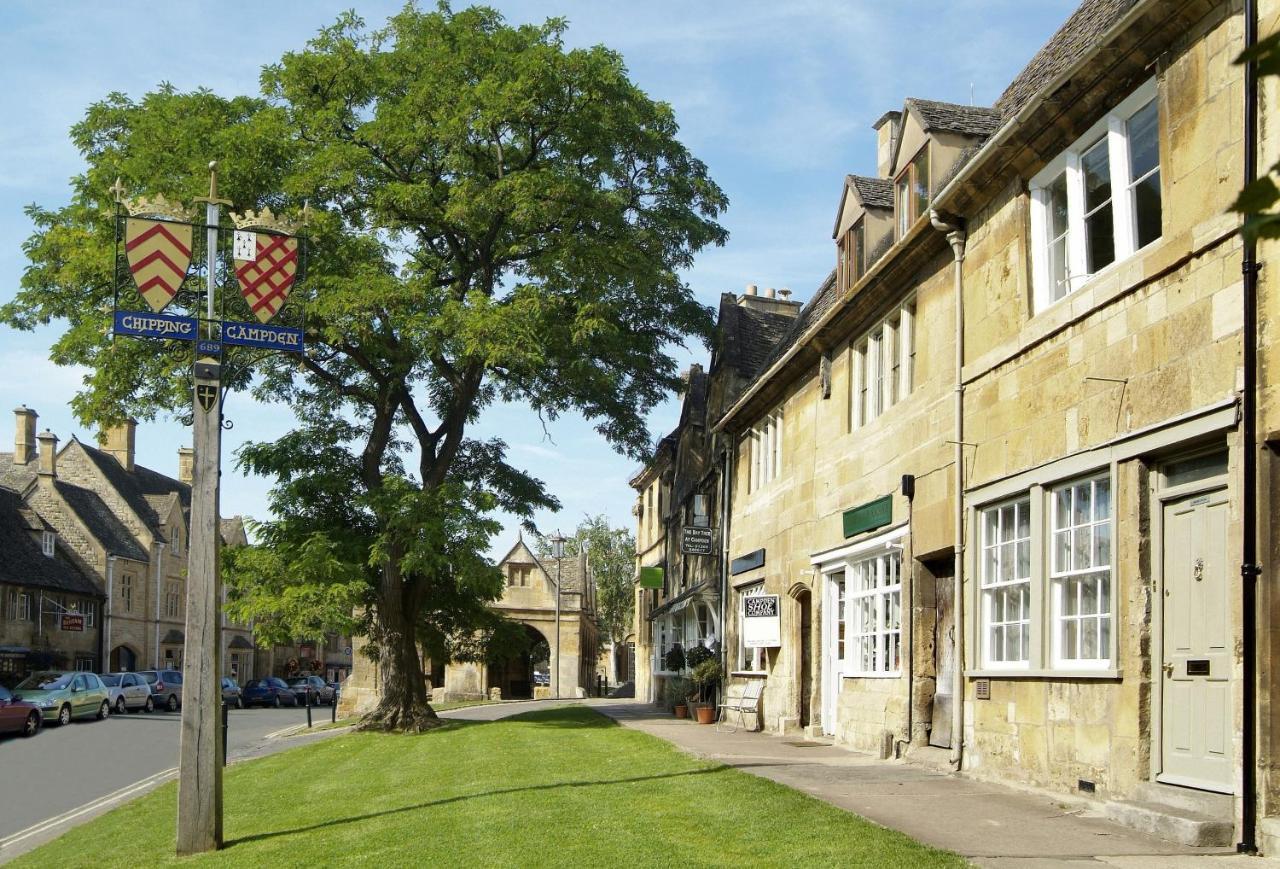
x=282 y=731
x=100 y=802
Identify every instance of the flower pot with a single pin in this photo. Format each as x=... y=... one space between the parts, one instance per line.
x=706 y=715
x=681 y=711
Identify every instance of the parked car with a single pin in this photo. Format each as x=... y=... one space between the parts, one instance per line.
x=166 y=687
x=231 y=692
x=268 y=692
x=311 y=690
x=64 y=695
x=18 y=716
x=128 y=691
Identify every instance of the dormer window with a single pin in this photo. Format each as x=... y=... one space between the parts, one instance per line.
x=911 y=192
x=852 y=262
x=48 y=542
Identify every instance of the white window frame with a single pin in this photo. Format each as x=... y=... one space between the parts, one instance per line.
x=875 y=386
x=48 y=543
x=766 y=450
x=1112 y=128
x=994 y=552
x=847 y=559
x=90 y=610
x=1062 y=578
x=24 y=606
x=886 y=567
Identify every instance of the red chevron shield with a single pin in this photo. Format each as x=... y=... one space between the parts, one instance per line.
x=266 y=280
x=159 y=254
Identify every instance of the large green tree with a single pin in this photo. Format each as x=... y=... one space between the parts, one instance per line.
x=496 y=218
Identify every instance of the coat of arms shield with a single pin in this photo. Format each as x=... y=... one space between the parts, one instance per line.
x=265 y=281
x=159 y=254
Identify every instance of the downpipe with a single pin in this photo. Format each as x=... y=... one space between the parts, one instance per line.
x=953 y=226
x=1250 y=570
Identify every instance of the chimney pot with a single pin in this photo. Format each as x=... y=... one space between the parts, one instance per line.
x=770 y=293
x=186 y=465
x=24 y=438
x=48 y=453
x=119 y=442
x=751 y=289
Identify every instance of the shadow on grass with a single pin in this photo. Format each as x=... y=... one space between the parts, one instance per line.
x=355 y=819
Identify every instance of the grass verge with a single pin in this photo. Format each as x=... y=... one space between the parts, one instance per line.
x=557 y=787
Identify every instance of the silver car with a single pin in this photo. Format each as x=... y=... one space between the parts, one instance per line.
x=128 y=691
x=166 y=688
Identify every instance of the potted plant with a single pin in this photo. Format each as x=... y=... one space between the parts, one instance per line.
x=674 y=660
x=676 y=692
x=705 y=678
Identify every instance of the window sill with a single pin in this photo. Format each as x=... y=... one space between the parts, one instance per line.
x=897 y=675
x=1109 y=674
x=749 y=674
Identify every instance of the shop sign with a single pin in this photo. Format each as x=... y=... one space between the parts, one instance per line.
x=697 y=541
x=72 y=622
x=872 y=514
x=651 y=577
x=761 y=621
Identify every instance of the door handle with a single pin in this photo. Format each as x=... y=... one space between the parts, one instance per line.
x=1168 y=669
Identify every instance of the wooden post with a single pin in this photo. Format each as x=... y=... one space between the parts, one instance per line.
x=200 y=765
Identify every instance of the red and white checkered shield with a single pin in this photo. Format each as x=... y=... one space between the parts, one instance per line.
x=266 y=280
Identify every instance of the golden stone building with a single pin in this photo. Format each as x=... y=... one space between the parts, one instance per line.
x=994 y=471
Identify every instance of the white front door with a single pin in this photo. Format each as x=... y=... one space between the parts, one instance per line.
x=1196 y=722
x=833 y=649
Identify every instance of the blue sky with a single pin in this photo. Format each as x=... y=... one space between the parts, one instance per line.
x=777 y=99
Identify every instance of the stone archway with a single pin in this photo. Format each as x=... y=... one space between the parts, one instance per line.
x=518 y=674
x=123 y=659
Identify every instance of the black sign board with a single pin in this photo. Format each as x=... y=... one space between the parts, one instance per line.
x=747 y=562
x=697 y=541
x=764 y=606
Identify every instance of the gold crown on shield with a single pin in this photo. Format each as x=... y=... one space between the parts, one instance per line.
x=266 y=219
x=158 y=206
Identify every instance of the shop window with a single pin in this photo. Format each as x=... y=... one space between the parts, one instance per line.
x=748 y=659
x=874 y=616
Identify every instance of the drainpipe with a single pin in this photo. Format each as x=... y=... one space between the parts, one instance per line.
x=104 y=635
x=954 y=228
x=726 y=491
x=1249 y=567
x=159 y=563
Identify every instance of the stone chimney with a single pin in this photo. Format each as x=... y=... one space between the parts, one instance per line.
x=48 y=453
x=24 y=438
x=771 y=300
x=119 y=440
x=887 y=130
x=186 y=465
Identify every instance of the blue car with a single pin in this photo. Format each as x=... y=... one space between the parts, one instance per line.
x=268 y=692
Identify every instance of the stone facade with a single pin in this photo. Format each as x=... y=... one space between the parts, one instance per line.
x=126 y=526
x=1062 y=439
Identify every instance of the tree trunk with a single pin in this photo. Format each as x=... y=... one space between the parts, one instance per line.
x=403 y=705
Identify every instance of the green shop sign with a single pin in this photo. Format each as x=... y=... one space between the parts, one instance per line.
x=870 y=515
x=651 y=577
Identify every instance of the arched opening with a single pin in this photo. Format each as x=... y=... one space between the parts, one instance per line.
x=123 y=660
x=519 y=660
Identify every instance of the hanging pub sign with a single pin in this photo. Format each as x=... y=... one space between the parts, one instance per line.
x=72 y=622
x=697 y=541
x=651 y=577
x=761 y=621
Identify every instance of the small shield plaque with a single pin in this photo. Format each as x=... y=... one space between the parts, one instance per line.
x=207 y=395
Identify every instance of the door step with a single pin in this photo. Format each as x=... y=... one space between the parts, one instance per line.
x=1182 y=815
x=931 y=757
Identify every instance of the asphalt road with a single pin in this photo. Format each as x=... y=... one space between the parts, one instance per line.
x=63 y=769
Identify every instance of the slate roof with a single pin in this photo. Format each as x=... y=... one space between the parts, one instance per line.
x=1080 y=32
x=748 y=336
x=24 y=563
x=874 y=192
x=140 y=488
x=101 y=521
x=239 y=642
x=976 y=121
x=16 y=477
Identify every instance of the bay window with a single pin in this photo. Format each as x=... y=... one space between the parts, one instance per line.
x=1099 y=201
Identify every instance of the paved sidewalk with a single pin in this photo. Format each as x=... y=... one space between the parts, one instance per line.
x=993 y=826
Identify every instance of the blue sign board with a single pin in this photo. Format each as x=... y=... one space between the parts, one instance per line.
x=208 y=348
x=260 y=335
x=148 y=325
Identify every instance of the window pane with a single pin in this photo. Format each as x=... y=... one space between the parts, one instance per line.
x=1089 y=638
x=1102 y=545
x=1083 y=500
x=1069 y=646
x=1006 y=523
x=1100 y=240
x=1144 y=146
x=1146 y=206
x=1024 y=519
x=1102 y=499
x=1088 y=596
x=920 y=183
x=904 y=206
x=1006 y=562
x=1082 y=551
x=1024 y=559
x=1062 y=508
x=1057 y=200
x=1062 y=550
x=1070 y=598
x=1095 y=166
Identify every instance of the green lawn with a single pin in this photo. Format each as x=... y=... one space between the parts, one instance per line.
x=439 y=707
x=554 y=788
